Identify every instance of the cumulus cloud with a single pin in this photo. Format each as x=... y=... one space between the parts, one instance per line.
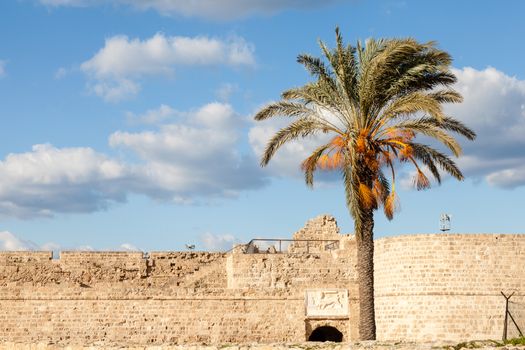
x=222 y=10
x=115 y=90
x=128 y=247
x=122 y=56
x=152 y=116
x=494 y=106
x=217 y=242
x=2 y=68
x=195 y=159
x=197 y=156
x=10 y=242
x=60 y=73
x=225 y=91
x=50 y=246
x=73 y=179
x=114 y=69
x=39 y=182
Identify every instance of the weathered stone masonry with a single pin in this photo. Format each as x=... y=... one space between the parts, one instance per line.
x=441 y=286
x=447 y=286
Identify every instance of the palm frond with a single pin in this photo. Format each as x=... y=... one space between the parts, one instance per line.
x=426 y=153
x=432 y=130
x=309 y=165
x=412 y=103
x=283 y=108
x=299 y=128
x=447 y=96
x=391 y=205
x=318 y=95
x=381 y=187
x=451 y=124
x=421 y=181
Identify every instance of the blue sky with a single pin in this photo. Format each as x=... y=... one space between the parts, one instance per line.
x=130 y=125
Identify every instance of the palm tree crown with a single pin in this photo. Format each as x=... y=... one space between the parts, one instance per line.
x=374 y=100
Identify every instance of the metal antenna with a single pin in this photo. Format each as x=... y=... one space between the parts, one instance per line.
x=444 y=222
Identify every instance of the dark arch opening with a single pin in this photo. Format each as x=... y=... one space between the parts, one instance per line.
x=326 y=333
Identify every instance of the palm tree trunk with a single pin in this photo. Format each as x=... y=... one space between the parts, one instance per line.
x=365 y=271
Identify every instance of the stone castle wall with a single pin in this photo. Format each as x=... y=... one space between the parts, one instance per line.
x=170 y=297
x=442 y=286
x=448 y=286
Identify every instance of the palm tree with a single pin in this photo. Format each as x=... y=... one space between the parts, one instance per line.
x=373 y=100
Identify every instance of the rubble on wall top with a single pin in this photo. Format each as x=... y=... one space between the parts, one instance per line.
x=321 y=227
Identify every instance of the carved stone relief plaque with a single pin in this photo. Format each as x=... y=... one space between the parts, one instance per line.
x=327 y=303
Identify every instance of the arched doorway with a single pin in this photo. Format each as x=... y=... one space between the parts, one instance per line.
x=326 y=333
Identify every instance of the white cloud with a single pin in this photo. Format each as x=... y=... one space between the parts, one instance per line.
x=82 y=248
x=50 y=246
x=509 y=177
x=197 y=158
x=215 y=242
x=10 y=242
x=49 y=179
x=206 y=130
x=115 y=90
x=222 y=10
x=115 y=68
x=60 y=73
x=226 y=9
x=124 y=57
x=494 y=106
x=2 y=68
x=128 y=247
x=152 y=116
x=225 y=91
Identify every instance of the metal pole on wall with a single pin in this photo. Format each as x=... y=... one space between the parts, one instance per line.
x=506 y=315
